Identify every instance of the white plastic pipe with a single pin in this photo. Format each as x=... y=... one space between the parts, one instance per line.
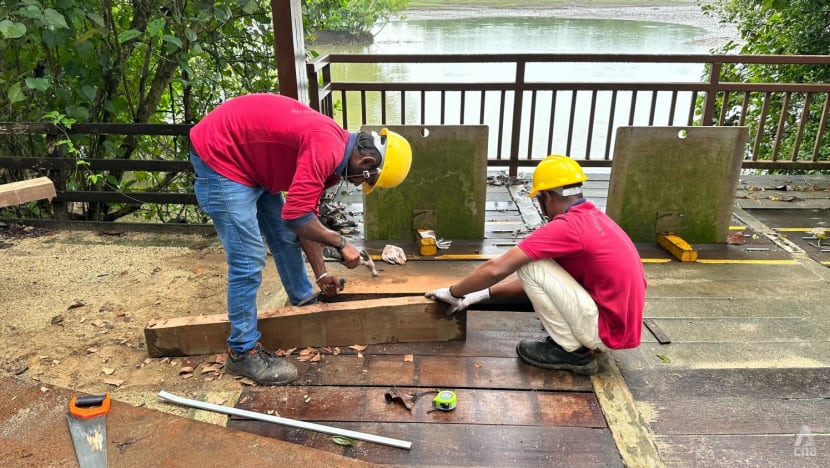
x=285 y=421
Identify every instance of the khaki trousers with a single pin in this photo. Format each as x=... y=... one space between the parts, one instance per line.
x=566 y=310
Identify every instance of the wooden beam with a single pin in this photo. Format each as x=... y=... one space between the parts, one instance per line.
x=289 y=44
x=24 y=191
x=391 y=320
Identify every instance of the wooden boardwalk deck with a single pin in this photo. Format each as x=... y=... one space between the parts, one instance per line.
x=508 y=413
x=744 y=381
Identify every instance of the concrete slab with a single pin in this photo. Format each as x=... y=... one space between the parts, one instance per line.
x=675 y=180
x=445 y=190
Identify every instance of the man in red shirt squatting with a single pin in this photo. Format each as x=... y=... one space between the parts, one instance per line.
x=246 y=153
x=580 y=271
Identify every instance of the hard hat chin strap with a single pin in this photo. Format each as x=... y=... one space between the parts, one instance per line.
x=367 y=174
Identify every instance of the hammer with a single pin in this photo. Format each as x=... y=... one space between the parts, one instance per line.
x=365 y=259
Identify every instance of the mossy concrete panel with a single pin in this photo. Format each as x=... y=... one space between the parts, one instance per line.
x=679 y=180
x=445 y=190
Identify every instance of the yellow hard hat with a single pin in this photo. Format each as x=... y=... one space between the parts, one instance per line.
x=556 y=171
x=396 y=159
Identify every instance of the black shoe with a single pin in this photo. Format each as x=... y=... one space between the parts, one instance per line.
x=261 y=366
x=547 y=354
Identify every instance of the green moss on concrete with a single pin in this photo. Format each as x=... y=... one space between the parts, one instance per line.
x=445 y=190
x=667 y=181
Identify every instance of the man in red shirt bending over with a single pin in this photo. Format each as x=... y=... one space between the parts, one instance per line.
x=246 y=153
x=580 y=271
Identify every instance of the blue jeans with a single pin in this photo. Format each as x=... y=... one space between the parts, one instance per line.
x=242 y=215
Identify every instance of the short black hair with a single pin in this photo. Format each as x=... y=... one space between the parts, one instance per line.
x=366 y=144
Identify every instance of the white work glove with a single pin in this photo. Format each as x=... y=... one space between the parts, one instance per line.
x=394 y=255
x=458 y=303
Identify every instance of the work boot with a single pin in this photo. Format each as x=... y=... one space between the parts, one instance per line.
x=547 y=354
x=261 y=366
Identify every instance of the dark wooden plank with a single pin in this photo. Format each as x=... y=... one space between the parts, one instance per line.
x=437 y=371
x=128 y=197
x=745 y=450
x=654 y=385
x=392 y=320
x=369 y=404
x=461 y=444
x=739 y=415
x=12 y=128
x=15 y=162
x=34 y=433
x=655 y=330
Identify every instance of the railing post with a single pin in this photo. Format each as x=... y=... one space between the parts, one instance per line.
x=289 y=45
x=60 y=209
x=711 y=95
x=515 y=132
x=313 y=87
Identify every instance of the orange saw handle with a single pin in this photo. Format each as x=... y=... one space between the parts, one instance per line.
x=88 y=407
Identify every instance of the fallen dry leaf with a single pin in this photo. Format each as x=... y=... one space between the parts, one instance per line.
x=736 y=238
x=316 y=358
x=408 y=357
x=216 y=400
x=246 y=381
x=358 y=347
x=186 y=370
x=478 y=365
x=108 y=370
x=307 y=351
x=92 y=350
x=197 y=271
x=99 y=323
x=114 y=382
x=285 y=352
x=213 y=367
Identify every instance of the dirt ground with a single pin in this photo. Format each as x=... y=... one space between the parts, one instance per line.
x=74 y=304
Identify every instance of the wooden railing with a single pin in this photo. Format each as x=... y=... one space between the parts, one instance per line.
x=58 y=165
x=536 y=117
x=528 y=117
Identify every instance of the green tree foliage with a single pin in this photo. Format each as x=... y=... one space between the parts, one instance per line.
x=138 y=61
x=354 y=18
x=780 y=27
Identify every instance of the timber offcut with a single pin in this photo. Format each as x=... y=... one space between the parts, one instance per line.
x=391 y=320
x=16 y=193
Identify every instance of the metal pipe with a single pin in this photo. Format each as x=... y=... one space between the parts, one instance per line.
x=285 y=421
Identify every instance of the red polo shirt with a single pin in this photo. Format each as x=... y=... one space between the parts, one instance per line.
x=601 y=257
x=277 y=143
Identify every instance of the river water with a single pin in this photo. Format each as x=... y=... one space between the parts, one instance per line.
x=519 y=34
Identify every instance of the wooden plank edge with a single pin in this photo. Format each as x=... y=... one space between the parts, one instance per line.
x=632 y=433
